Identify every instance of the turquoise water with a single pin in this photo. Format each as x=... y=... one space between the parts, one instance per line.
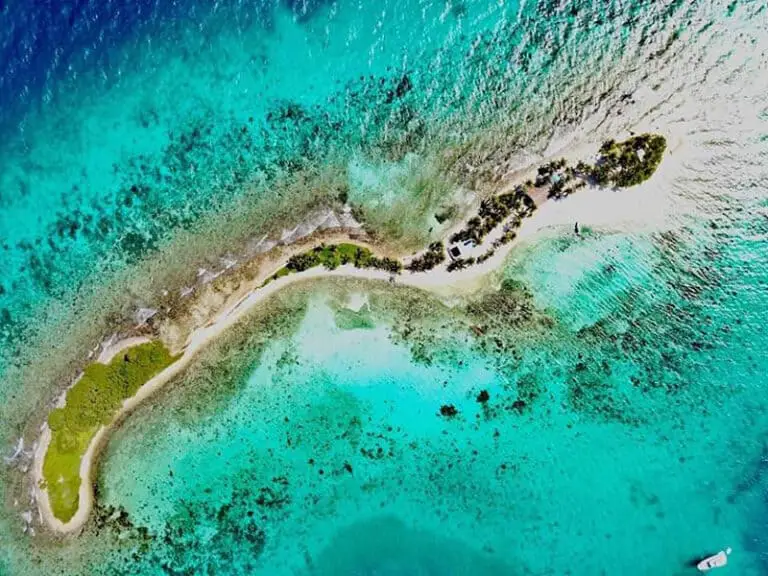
x=640 y=432
x=625 y=425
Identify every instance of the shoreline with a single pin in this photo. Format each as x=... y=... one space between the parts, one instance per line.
x=196 y=342
x=593 y=202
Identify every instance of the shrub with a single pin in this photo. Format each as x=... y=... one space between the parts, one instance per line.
x=630 y=162
x=92 y=402
x=460 y=264
x=488 y=253
x=332 y=256
x=362 y=258
x=387 y=264
x=449 y=213
x=302 y=262
x=434 y=256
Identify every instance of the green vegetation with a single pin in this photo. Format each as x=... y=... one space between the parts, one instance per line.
x=331 y=256
x=620 y=164
x=493 y=211
x=334 y=255
x=548 y=172
x=487 y=254
x=460 y=264
x=630 y=162
x=559 y=175
x=91 y=403
x=280 y=273
x=434 y=255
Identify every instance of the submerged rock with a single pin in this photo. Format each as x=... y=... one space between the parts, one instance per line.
x=448 y=410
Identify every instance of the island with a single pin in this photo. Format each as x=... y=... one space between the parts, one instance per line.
x=118 y=381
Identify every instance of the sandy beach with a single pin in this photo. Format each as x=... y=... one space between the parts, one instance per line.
x=639 y=206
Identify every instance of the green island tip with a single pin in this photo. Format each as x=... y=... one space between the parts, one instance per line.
x=91 y=403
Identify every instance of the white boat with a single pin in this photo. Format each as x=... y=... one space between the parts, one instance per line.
x=715 y=561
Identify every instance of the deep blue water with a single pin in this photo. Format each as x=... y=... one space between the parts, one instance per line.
x=45 y=45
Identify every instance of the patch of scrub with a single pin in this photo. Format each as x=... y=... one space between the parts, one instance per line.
x=630 y=162
x=332 y=256
x=91 y=403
